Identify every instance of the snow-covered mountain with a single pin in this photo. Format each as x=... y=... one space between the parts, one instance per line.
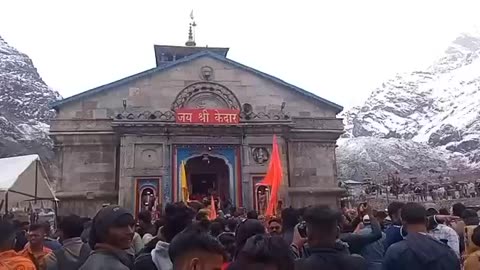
x=24 y=105
x=438 y=107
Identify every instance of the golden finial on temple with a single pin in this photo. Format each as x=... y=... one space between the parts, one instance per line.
x=191 y=32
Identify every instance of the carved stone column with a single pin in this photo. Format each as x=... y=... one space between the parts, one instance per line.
x=125 y=184
x=313 y=173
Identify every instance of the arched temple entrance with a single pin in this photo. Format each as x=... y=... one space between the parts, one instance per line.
x=208 y=175
x=217 y=162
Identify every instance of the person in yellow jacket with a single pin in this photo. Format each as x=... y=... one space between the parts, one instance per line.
x=472 y=250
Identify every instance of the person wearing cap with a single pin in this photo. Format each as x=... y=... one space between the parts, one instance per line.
x=9 y=259
x=111 y=235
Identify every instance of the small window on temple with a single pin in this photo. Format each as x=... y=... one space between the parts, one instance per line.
x=163 y=58
x=166 y=57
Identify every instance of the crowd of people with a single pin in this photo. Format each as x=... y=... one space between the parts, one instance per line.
x=186 y=237
x=421 y=191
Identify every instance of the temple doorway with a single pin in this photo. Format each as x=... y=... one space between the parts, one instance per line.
x=208 y=176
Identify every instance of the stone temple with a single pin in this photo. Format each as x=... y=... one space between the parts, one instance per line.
x=124 y=142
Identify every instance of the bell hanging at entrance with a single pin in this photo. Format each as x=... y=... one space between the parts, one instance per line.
x=206 y=159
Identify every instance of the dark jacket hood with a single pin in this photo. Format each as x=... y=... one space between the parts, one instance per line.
x=332 y=259
x=426 y=248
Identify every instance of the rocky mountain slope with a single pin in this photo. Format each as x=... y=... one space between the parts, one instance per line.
x=434 y=112
x=24 y=105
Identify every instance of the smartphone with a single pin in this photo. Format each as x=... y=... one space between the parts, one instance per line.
x=302 y=229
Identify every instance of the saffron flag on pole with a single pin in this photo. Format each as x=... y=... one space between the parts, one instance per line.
x=213 y=211
x=273 y=178
x=183 y=183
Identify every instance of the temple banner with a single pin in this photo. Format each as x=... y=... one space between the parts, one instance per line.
x=207 y=116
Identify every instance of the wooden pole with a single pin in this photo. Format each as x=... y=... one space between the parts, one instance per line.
x=6 y=202
x=36 y=180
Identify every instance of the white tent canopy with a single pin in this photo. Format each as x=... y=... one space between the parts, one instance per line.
x=353 y=182
x=23 y=178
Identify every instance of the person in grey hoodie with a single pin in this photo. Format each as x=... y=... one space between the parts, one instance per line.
x=110 y=236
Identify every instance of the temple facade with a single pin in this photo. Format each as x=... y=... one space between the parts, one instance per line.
x=125 y=142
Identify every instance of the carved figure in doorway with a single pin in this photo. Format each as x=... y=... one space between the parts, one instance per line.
x=262 y=199
x=260 y=155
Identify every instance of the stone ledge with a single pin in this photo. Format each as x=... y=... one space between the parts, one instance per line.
x=316 y=190
x=85 y=194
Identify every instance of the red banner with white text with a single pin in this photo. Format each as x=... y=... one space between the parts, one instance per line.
x=207 y=116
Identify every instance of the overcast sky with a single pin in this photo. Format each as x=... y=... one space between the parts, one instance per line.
x=340 y=50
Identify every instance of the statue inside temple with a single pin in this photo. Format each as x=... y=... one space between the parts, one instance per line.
x=263 y=196
x=147 y=200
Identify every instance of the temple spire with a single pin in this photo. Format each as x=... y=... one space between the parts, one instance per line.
x=191 y=32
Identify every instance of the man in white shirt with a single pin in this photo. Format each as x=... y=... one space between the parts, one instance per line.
x=444 y=234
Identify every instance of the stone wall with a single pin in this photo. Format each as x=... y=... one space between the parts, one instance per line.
x=86 y=165
x=141 y=156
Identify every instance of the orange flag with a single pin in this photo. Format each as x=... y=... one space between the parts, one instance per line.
x=273 y=178
x=213 y=211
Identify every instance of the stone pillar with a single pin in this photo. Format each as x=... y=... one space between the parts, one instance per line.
x=246 y=178
x=166 y=187
x=125 y=184
x=313 y=173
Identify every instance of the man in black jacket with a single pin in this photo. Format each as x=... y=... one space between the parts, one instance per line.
x=419 y=251
x=322 y=232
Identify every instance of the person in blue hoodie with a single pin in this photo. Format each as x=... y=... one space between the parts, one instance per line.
x=419 y=251
x=394 y=232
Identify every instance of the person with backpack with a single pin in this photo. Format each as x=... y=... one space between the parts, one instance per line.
x=74 y=252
